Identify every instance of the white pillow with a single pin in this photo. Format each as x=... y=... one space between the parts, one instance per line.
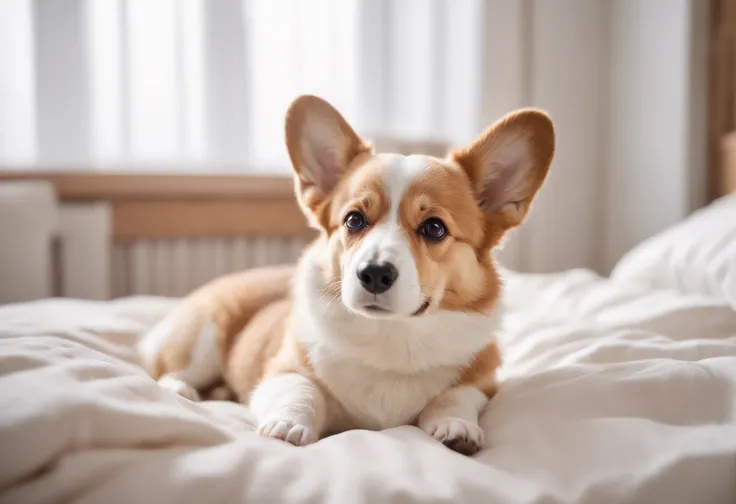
x=695 y=256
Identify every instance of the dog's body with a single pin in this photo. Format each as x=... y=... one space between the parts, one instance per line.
x=390 y=316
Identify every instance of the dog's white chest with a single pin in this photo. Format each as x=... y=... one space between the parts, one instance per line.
x=374 y=399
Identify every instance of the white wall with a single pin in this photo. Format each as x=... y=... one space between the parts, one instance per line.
x=559 y=63
x=568 y=79
x=625 y=82
x=656 y=110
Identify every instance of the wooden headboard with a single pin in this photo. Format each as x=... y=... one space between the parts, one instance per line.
x=722 y=99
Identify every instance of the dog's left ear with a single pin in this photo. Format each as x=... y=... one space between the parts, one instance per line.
x=508 y=163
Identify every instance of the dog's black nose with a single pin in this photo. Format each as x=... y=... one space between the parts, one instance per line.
x=377 y=278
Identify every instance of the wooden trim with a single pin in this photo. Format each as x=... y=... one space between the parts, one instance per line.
x=125 y=186
x=727 y=181
x=721 y=94
x=135 y=220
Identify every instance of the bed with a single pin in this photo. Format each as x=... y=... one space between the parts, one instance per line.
x=615 y=389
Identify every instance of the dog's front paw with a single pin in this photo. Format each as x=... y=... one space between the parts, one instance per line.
x=457 y=434
x=289 y=431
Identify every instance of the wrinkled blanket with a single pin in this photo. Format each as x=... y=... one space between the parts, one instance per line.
x=610 y=394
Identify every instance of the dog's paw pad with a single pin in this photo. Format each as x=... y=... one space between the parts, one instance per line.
x=180 y=387
x=287 y=430
x=457 y=434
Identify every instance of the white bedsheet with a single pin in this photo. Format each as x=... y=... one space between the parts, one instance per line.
x=611 y=394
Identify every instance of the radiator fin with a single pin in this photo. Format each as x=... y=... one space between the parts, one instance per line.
x=174 y=268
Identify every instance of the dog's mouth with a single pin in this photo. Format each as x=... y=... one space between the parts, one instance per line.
x=374 y=308
x=378 y=309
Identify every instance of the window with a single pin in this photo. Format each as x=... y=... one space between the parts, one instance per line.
x=192 y=85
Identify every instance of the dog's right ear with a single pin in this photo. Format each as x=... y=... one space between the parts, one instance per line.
x=321 y=145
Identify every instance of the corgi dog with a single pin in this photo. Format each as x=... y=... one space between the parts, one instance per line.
x=390 y=316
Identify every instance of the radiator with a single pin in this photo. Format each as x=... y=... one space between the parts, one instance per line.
x=178 y=266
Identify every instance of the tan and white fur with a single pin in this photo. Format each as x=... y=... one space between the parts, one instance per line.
x=390 y=316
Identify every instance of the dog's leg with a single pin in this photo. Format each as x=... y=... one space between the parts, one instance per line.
x=186 y=350
x=203 y=368
x=452 y=418
x=175 y=383
x=290 y=407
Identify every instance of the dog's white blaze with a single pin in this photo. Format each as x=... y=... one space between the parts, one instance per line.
x=388 y=242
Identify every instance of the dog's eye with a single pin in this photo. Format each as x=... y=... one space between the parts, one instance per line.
x=355 y=221
x=433 y=229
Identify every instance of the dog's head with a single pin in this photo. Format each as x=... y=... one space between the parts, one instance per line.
x=408 y=235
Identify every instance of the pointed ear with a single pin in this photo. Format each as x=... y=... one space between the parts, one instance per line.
x=321 y=145
x=509 y=162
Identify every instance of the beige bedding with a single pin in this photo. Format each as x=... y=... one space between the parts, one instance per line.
x=611 y=394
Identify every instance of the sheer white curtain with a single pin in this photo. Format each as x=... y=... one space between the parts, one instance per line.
x=203 y=85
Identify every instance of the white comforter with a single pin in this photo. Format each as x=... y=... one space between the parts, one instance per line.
x=611 y=394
